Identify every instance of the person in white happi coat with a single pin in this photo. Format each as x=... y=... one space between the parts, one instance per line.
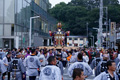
x=42 y=58
x=102 y=65
x=80 y=64
x=17 y=68
x=2 y=69
x=64 y=57
x=51 y=71
x=74 y=57
x=110 y=74
x=6 y=61
x=32 y=63
x=95 y=62
x=118 y=70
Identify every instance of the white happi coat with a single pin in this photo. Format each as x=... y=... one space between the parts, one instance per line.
x=105 y=76
x=32 y=63
x=83 y=65
x=50 y=72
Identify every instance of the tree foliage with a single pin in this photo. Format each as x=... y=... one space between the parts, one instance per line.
x=77 y=13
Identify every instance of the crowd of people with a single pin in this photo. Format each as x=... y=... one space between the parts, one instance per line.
x=49 y=64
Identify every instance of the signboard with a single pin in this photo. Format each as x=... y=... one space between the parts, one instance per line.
x=118 y=35
x=113 y=27
x=23 y=39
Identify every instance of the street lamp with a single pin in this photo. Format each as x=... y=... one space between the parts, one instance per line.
x=30 y=32
x=87 y=32
x=100 y=23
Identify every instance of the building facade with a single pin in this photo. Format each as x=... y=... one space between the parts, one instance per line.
x=15 y=23
x=76 y=41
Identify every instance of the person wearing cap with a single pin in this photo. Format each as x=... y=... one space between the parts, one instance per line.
x=6 y=61
x=32 y=63
x=102 y=65
x=17 y=68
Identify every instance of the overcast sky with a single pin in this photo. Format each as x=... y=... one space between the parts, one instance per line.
x=53 y=2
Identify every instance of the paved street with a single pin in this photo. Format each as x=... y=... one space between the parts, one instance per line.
x=65 y=76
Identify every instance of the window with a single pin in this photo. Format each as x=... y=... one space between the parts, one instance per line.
x=1 y=11
x=70 y=38
x=70 y=44
x=76 y=45
x=24 y=9
x=28 y=14
x=12 y=29
x=81 y=38
x=1 y=30
x=7 y=30
x=19 y=12
x=75 y=38
x=9 y=11
x=81 y=45
x=1 y=41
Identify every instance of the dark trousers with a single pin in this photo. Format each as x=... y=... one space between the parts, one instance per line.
x=64 y=63
x=6 y=73
x=25 y=77
x=32 y=77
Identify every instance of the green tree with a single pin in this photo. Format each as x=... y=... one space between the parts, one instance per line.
x=76 y=13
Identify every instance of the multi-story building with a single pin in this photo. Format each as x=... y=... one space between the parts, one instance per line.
x=76 y=41
x=15 y=23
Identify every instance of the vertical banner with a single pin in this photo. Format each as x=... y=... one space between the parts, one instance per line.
x=113 y=28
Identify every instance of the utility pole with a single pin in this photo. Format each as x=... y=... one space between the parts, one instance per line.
x=87 y=32
x=91 y=41
x=100 y=24
x=97 y=35
x=114 y=35
x=109 y=45
x=106 y=27
x=87 y=28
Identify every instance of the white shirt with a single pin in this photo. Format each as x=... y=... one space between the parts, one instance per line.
x=42 y=57
x=5 y=61
x=86 y=58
